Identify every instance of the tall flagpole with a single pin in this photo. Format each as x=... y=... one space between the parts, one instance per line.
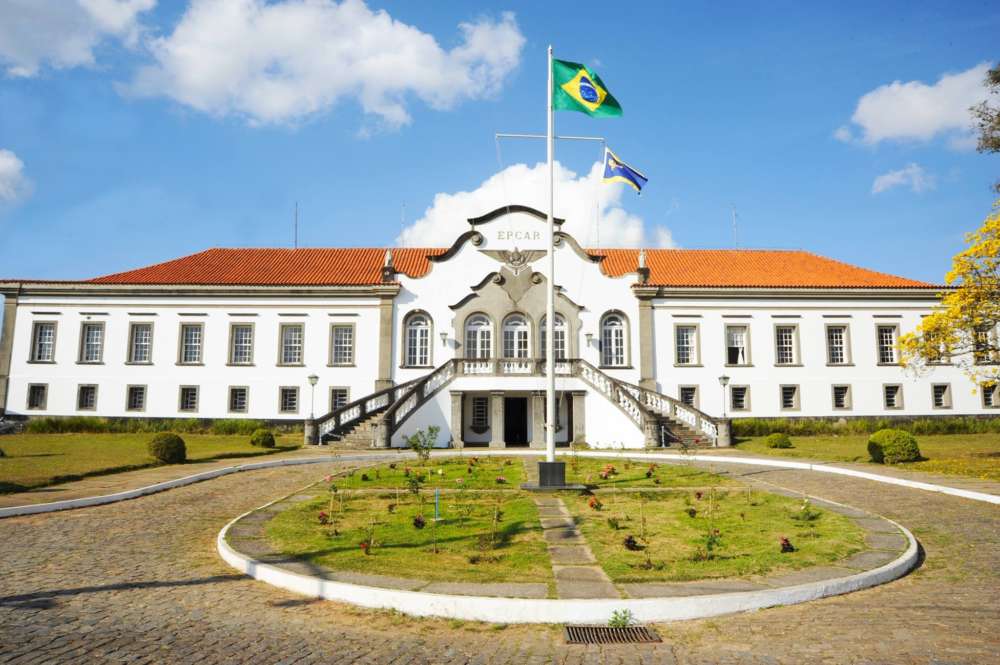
x=550 y=300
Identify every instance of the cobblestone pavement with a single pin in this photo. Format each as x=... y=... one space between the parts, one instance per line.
x=139 y=581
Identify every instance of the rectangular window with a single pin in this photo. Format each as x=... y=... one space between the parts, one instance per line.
x=687 y=345
x=739 y=397
x=842 y=397
x=480 y=414
x=192 y=335
x=789 y=398
x=941 y=394
x=342 y=344
x=91 y=342
x=689 y=395
x=43 y=342
x=887 y=344
x=238 y=399
x=241 y=344
x=339 y=397
x=785 y=343
x=86 y=398
x=140 y=345
x=288 y=400
x=292 y=335
x=38 y=394
x=984 y=343
x=135 y=398
x=736 y=345
x=188 y=399
x=836 y=345
x=892 y=396
x=991 y=396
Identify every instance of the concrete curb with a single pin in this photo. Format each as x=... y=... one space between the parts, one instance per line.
x=84 y=502
x=529 y=610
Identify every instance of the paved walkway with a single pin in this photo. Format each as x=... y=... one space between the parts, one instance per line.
x=129 y=480
x=140 y=581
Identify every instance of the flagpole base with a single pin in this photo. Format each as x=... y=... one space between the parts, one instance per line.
x=551 y=478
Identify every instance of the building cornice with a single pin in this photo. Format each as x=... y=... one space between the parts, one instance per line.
x=831 y=293
x=167 y=290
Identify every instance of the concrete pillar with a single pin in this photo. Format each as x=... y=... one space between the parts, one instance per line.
x=725 y=433
x=384 y=379
x=311 y=432
x=646 y=373
x=496 y=419
x=579 y=416
x=537 y=419
x=6 y=346
x=457 y=421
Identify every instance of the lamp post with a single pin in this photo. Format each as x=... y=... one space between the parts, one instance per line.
x=723 y=381
x=313 y=380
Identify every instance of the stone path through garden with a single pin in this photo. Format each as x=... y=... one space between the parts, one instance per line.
x=573 y=564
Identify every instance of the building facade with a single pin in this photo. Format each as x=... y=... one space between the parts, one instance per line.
x=398 y=340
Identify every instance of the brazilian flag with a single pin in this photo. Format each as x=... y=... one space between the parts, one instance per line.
x=576 y=88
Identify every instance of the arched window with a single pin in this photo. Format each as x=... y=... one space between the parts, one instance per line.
x=417 y=352
x=478 y=336
x=515 y=337
x=613 y=341
x=558 y=342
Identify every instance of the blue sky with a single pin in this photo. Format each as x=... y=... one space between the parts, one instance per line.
x=121 y=151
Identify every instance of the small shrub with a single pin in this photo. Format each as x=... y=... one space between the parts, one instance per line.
x=236 y=426
x=419 y=522
x=262 y=438
x=786 y=545
x=501 y=480
x=631 y=544
x=595 y=503
x=778 y=440
x=614 y=524
x=168 y=448
x=892 y=446
x=2 y=453
x=621 y=619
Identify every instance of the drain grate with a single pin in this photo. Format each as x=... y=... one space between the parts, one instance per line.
x=608 y=635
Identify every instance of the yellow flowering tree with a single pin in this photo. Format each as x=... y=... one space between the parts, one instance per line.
x=965 y=327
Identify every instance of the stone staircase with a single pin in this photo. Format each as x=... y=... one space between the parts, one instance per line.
x=360 y=435
x=678 y=435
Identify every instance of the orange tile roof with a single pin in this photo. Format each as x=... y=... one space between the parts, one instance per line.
x=748 y=268
x=721 y=268
x=278 y=267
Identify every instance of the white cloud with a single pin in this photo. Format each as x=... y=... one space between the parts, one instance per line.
x=580 y=200
x=13 y=183
x=912 y=175
x=916 y=111
x=843 y=133
x=63 y=33
x=277 y=62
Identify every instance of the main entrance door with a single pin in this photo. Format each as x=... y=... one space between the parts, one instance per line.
x=515 y=421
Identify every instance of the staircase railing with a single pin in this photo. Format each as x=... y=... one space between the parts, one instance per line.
x=619 y=395
x=340 y=420
x=416 y=394
x=673 y=408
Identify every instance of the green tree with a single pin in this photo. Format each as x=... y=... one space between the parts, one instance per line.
x=987 y=117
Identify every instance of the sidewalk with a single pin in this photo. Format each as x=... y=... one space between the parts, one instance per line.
x=956 y=481
x=128 y=480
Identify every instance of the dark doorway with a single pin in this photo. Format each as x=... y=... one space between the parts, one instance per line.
x=515 y=421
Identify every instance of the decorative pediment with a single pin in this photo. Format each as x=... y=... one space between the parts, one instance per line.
x=515 y=260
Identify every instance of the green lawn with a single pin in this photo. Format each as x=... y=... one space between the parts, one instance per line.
x=468 y=472
x=975 y=455
x=37 y=460
x=464 y=551
x=675 y=548
x=626 y=473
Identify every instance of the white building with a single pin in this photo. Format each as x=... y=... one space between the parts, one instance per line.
x=405 y=338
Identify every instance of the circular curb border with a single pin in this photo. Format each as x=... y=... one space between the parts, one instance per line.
x=84 y=502
x=531 y=610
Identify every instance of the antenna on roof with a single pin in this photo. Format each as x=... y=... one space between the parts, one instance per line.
x=295 y=239
x=736 y=237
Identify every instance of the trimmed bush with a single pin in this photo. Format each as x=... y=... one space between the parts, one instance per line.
x=236 y=426
x=2 y=453
x=892 y=446
x=753 y=427
x=262 y=438
x=778 y=440
x=168 y=448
